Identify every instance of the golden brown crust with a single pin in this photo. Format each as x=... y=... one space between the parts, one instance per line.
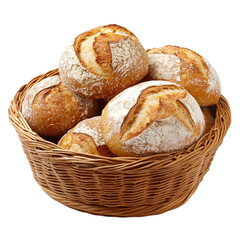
x=113 y=27
x=82 y=141
x=77 y=46
x=151 y=117
x=192 y=64
x=104 y=151
x=116 y=28
x=79 y=142
x=165 y=105
x=190 y=59
x=194 y=74
x=103 y=52
x=54 y=110
x=103 y=61
x=101 y=46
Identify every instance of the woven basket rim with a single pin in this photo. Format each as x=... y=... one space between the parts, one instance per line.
x=210 y=139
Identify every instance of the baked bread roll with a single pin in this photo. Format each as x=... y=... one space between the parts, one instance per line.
x=209 y=118
x=188 y=69
x=103 y=61
x=86 y=137
x=151 y=117
x=51 y=109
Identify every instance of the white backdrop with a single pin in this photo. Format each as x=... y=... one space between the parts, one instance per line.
x=33 y=34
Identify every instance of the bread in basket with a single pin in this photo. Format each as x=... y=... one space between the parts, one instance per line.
x=119 y=186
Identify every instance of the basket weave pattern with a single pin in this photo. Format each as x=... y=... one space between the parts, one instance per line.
x=120 y=186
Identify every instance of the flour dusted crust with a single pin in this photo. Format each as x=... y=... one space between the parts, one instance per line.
x=103 y=61
x=86 y=137
x=187 y=68
x=51 y=109
x=31 y=94
x=151 y=117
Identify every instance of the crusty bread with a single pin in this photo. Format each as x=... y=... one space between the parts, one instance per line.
x=103 y=61
x=51 y=109
x=188 y=69
x=86 y=137
x=151 y=117
x=208 y=117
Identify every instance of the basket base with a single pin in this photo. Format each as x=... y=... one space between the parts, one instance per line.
x=140 y=211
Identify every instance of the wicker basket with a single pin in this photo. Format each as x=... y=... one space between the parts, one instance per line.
x=120 y=186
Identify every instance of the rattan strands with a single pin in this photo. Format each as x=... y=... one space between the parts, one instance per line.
x=120 y=186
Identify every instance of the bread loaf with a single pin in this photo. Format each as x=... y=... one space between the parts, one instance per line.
x=151 y=117
x=103 y=61
x=86 y=137
x=51 y=109
x=188 y=69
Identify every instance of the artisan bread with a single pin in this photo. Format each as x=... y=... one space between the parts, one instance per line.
x=103 y=61
x=51 y=109
x=86 y=137
x=151 y=117
x=188 y=69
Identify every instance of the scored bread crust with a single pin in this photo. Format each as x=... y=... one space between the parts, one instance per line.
x=187 y=68
x=86 y=137
x=151 y=117
x=103 y=61
x=168 y=104
x=103 y=36
x=51 y=109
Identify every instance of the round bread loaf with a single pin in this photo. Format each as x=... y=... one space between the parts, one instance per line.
x=188 y=69
x=86 y=137
x=209 y=118
x=51 y=109
x=151 y=117
x=103 y=61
